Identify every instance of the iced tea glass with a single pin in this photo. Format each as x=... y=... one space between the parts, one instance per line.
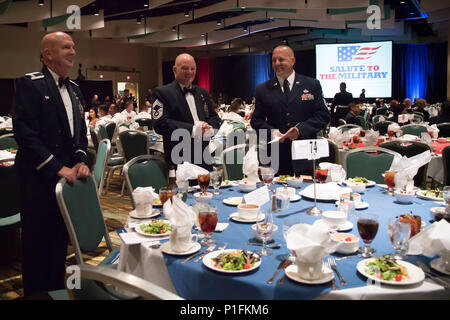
x=389 y=178
x=321 y=175
x=367 y=228
x=203 y=181
x=165 y=194
x=207 y=218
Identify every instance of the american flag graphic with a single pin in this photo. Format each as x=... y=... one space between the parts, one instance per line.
x=350 y=53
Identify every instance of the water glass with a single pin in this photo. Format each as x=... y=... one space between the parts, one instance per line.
x=264 y=230
x=216 y=180
x=399 y=233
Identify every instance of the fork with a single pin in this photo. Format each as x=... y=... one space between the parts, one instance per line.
x=333 y=282
x=210 y=248
x=333 y=266
x=286 y=264
x=223 y=246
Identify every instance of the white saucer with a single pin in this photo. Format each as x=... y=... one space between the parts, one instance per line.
x=291 y=273
x=153 y=213
x=345 y=227
x=235 y=216
x=295 y=198
x=437 y=264
x=359 y=206
x=165 y=247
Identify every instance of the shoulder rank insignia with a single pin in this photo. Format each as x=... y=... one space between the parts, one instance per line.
x=35 y=75
x=157 y=109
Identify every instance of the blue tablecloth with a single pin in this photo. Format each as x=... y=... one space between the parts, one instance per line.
x=193 y=280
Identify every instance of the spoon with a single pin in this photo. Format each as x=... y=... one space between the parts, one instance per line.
x=271 y=245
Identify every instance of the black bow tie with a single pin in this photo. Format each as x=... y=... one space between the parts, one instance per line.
x=191 y=90
x=63 y=81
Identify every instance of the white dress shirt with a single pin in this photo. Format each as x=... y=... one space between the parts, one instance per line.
x=290 y=79
x=191 y=103
x=65 y=98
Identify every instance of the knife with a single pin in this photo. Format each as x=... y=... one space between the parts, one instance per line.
x=210 y=248
x=280 y=266
x=431 y=276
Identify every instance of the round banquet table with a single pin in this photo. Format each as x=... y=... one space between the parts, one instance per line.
x=193 y=280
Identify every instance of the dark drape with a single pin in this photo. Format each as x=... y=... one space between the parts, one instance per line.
x=91 y=87
x=6 y=98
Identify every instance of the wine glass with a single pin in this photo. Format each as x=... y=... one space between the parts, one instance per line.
x=267 y=174
x=207 y=218
x=321 y=175
x=367 y=228
x=203 y=181
x=399 y=233
x=287 y=224
x=216 y=180
x=165 y=193
x=264 y=230
x=389 y=178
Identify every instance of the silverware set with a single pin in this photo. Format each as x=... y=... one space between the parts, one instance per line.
x=223 y=246
x=332 y=263
x=333 y=282
x=434 y=276
x=201 y=254
x=270 y=245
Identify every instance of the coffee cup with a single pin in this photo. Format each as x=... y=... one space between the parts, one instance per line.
x=334 y=219
x=143 y=209
x=182 y=243
x=356 y=197
x=309 y=270
x=288 y=191
x=248 y=211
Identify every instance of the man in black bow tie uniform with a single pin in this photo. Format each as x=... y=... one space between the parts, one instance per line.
x=291 y=105
x=49 y=126
x=183 y=105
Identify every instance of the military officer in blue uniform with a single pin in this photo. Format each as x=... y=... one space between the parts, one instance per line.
x=183 y=105
x=49 y=127
x=290 y=106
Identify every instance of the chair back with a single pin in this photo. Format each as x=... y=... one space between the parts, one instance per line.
x=7 y=141
x=102 y=133
x=382 y=126
x=362 y=122
x=91 y=154
x=110 y=129
x=134 y=143
x=370 y=163
x=333 y=156
x=446 y=165
x=382 y=111
x=103 y=151
x=143 y=122
x=94 y=138
x=9 y=191
x=414 y=129
x=80 y=207
x=232 y=161
x=346 y=127
x=444 y=129
x=377 y=118
x=236 y=137
x=410 y=149
x=145 y=171
x=341 y=122
x=418 y=117
x=91 y=276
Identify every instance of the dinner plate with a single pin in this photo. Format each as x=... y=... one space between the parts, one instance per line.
x=235 y=216
x=420 y=194
x=233 y=201
x=209 y=263
x=166 y=248
x=370 y=184
x=137 y=228
x=438 y=264
x=295 y=198
x=292 y=273
x=416 y=274
x=348 y=225
x=153 y=213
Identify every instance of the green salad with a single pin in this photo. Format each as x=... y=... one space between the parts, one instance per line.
x=435 y=193
x=283 y=178
x=386 y=268
x=236 y=260
x=156 y=227
x=11 y=149
x=359 y=179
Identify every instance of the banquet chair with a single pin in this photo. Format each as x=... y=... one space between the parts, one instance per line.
x=9 y=211
x=382 y=126
x=7 y=141
x=414 y=129
x=444 y=129
x=110 y=277
x=145 y=171
x=101 y=161
x=94 y=138
x=377 y=118
x=383 y=111
x=341 y=122
x=333 y=156
x=410 y=149
x=91 y=154
x=232 y=160
x=446 y=165
x=346 y=127
x=102 y=133
x=110 y=130
x=370 y=163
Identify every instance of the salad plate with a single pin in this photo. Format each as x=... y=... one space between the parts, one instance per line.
x=235 y=216
x=414 y=273
x=236 y=261
x=233 y=201
x=292 y=273
x=429 y=195
x=140 y=231
x=166 y=248
x=153 y=213
x=369 y=183
x=157 y=203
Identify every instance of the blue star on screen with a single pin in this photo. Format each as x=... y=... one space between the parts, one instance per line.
x=347 y=53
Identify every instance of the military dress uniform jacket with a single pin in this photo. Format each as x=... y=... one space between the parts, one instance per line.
x=304 y=108
x=170 y=111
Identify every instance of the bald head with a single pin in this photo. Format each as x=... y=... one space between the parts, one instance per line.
x=185 y=69
x=58 y=53
x=283 y=60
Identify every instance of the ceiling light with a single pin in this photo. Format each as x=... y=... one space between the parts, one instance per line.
x=128 y=77
x=245 y=28
x=101 y=76
x=186 y=13
x=146 y=5
x=174 y=28
x=402 y=2
x=41 y=3
x=138 y=20
x=219 y=22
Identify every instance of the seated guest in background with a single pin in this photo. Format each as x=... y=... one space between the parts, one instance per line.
x=233 y=112
x=419 y=106
x=392 y=105
x=407 y=103
x=143 y=114
x=362 y=96
x=95 y=102
x=397 y=110
x=107 y=101
x=379 y=108
x=129 y=113
x=104 y=117
x=112 y=110
x=443 y=116
x=93 y=117
x=351 y=117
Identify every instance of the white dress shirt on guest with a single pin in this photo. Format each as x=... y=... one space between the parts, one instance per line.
x=129 y=115
x=143 y=115
x=232 y=116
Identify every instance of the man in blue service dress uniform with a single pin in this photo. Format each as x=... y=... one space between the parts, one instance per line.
x=182 y=105
x=289 y=104
x=49 y=126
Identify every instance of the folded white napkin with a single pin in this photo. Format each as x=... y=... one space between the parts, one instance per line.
x=333 y=134
x=6 y=155
x=188 y=171
x=371 y=138
x=181 y=218
x=328 y=191
x=143 y=198
x=408 y=167
x=434 y=130
x=310 y=243
x=432 y=240
x=394 y=127
x=250 y=165
x=409 y=137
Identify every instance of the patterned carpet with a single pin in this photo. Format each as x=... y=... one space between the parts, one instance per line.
x=115 y=210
